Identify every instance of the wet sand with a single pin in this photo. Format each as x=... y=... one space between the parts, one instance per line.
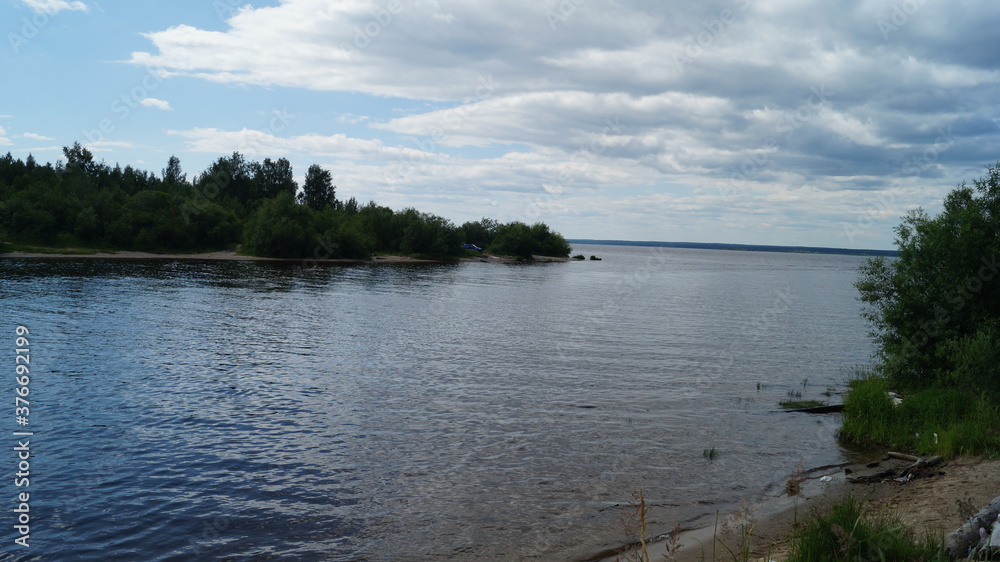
x=938 y=503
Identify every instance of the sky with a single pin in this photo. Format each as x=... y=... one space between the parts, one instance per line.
x=781 y=122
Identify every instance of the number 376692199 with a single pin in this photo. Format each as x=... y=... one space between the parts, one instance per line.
x=22 y=362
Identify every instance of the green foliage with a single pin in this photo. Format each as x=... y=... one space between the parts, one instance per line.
x=944 y=421
x=523 y=241
x=849 y=531
x=941 y=291
x=481 y=232
x=318 y=190
x=280 y=228
x=88 y=203
x=935 y=313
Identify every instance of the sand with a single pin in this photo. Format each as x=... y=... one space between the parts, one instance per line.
x=938 y=503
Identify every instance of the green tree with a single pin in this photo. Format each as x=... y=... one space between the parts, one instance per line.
x=172 y=174
x=481 y=232
x=523 y=241
x=318 y=190
x=280 y=228
x=273 y=177
x=935 y=310
x=79 y=157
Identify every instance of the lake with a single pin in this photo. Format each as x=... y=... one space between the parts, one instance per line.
x=186 y=410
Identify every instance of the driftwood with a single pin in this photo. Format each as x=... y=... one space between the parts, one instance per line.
x=828 y=409
x=919 y=468
x=961 y=541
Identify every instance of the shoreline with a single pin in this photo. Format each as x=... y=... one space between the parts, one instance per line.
x=230 y=255
x=936 y=504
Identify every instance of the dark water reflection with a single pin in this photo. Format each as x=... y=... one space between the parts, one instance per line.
x=251 y=411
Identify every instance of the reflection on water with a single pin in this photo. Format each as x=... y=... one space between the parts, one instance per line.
x=473 y=411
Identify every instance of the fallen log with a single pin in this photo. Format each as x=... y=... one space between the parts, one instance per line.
x=828 y=409
x=960 y=542
x=903 y=456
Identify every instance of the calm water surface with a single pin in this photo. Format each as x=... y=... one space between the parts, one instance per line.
x=188 y=410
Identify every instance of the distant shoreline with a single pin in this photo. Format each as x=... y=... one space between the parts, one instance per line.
x=229 y=255
x=737 y=247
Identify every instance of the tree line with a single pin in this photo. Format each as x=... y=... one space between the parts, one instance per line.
x=234 y=201
x=935 y=318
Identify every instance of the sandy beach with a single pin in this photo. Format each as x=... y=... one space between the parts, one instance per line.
x=938 y=503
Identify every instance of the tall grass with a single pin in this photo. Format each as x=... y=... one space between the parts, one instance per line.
x=939 y=420
x=849 y=531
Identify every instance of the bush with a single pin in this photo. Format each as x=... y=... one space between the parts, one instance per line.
x=942 y=289
x=934 y=421
x=523 y=241
x=936 y=317
x=847 y=531
x=280 y=228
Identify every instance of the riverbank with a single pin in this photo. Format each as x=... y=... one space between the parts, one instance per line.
x=229 y=255
x=938 y=504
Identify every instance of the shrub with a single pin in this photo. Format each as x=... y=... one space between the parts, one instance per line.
x=280 y=228
x=848 y=531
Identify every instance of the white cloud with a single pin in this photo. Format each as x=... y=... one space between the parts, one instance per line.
x=4 y=141
x=265 y=144
x=52 y=7
x=158 y=104
x=715 y=97
x=37 y=137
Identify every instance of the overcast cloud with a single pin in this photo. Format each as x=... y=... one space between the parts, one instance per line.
x=771 y=121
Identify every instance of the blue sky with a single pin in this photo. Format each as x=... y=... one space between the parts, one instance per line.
x=754 y=121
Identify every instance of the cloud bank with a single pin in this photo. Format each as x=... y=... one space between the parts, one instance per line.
x=749 y=113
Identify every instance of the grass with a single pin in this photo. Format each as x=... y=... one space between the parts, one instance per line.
x=944 y=421
x=710 y=454
x=800 y=404
x=734 y=537
x=849 y=530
